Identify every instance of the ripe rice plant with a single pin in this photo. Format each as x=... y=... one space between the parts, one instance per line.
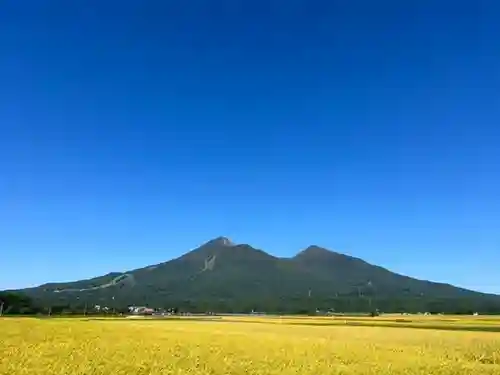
x=240 y=346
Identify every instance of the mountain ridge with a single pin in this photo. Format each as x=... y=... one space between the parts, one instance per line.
x=221 y=274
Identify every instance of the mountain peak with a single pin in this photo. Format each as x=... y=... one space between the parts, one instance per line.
x=314 y=250
x=220 y=241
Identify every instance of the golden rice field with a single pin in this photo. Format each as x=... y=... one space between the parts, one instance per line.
x=247 y=345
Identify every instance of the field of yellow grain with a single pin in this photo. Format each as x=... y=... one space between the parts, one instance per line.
x=240 y=346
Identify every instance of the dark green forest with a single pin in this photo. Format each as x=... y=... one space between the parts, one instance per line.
x=17 y=303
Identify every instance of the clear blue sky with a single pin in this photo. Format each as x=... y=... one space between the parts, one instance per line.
x=131 y=132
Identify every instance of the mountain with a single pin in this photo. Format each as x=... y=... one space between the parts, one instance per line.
x=223 y=276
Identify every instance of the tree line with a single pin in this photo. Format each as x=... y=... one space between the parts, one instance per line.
x=16 y=303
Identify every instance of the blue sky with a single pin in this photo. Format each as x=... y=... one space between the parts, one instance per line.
x=131 y=132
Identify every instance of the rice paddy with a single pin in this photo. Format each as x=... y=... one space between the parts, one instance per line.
x=251 y=345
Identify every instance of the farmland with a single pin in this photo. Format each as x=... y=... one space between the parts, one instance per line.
x=251 y=345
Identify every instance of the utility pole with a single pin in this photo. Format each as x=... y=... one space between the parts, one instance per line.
x=1 y=308
x=371 y=295
x=359 y=304
x=310 y=307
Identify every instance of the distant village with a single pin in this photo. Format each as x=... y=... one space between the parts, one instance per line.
x=144 y=310
x=139 y=310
